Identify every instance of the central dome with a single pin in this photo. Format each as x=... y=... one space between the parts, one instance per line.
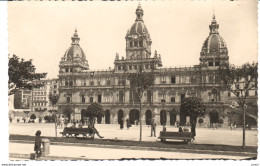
x=138 y=28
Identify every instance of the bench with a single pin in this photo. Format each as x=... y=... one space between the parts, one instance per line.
x=186 y=136
x=67 y=131
x=86 y=132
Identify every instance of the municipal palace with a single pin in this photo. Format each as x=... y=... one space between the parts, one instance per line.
x=78 y=86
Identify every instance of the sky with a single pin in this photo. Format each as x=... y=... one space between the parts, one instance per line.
x=42 y=31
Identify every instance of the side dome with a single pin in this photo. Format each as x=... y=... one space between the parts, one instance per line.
x=214 y=43
x=75 y=52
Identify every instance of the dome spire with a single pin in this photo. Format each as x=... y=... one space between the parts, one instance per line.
x=75 y=38
x=139 y=13
x=214 y=25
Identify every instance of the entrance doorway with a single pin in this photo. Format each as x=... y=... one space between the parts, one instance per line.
x=213 y=115
x=134 y=116
x=107 y=116
x=163 y=117
x=120 y=116
x=148 y=117
x=172 y=118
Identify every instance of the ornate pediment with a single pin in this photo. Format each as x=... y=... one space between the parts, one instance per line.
x=162 y=92
x=172 y=93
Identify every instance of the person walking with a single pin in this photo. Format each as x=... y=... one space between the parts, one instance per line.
x=193 y=131
x=121 y=124
x=37 y=144
x=153 y=128
x=128 y=124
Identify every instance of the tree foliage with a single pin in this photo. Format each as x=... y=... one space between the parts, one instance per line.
x=239 y=80
x=22 y=75
x=53 y=99
x=140 y=81
x=94 y=110
x=193 y=106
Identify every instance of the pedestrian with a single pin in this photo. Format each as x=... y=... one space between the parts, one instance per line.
x=180 y=129
x=153 y=128
x=37 y=144
x=24 y=119
x=235 y=125
x=128 y=124
x=231 y=126
x=80 y=125
x=121 y=124
x=17 y=120
x=193 y=131
x=10 y=119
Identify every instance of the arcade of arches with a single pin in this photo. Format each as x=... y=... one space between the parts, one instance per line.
x=161 y=117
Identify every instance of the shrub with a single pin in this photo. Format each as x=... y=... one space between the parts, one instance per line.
x=200 y=120
x=220 y=121
x=33 y=116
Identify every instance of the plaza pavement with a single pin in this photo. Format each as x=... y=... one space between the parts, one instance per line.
x=58 y=152
x=222 y=136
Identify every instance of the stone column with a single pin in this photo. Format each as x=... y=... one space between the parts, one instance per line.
x=168 y=118
x=178 y=118
x=156 y=116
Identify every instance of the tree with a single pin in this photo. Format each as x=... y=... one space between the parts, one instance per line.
x=33 y=117
x=22 y=75
x=193 y=107
x=93 y=111
x=139 y=82
x=53 y=99
x=239 y=80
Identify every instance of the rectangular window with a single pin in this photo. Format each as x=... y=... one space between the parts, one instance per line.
x=91 y=99
x=98 y=82
x=135 y=67
x=130 y=67
x=163 y=80
x=147 y=66
x=136 y=44
x=172 y=99
x=108 y=82
x=238 y=93
x=83 y=99
x=173 y=79
x=216 y=63
x=210 y=63
x=229 y=94
x=131 y=44
x=119 y=67
x=67 y=70
x=91 y=82
x=256 y=93
x=140 y=43
x=99 y=98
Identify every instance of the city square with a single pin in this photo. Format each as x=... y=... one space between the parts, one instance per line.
x=211 y=102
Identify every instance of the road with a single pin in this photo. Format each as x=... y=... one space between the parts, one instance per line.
x=204 y=135
x=107 y=153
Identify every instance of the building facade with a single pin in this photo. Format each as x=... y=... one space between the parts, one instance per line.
x=81 y=86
